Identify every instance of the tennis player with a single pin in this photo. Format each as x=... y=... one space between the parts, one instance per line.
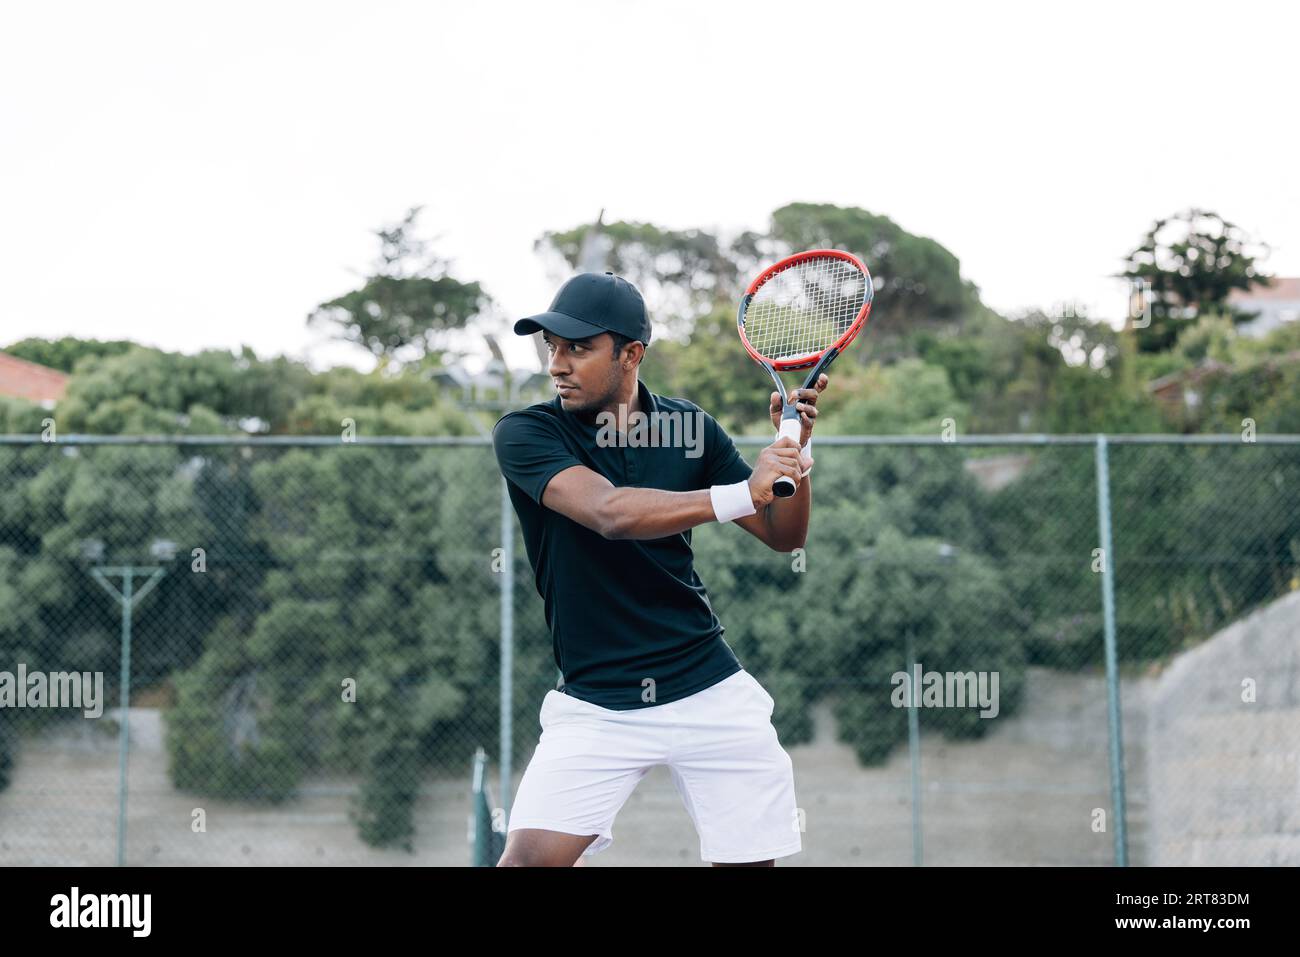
x=607 y=492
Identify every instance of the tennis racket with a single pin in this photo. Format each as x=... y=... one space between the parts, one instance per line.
x=801 y=312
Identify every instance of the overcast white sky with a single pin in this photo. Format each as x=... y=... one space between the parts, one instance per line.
x=202 y=175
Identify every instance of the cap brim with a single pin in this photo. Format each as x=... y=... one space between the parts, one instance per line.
x=564 y=326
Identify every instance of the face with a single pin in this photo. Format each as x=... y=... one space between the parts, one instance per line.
x=586 y=373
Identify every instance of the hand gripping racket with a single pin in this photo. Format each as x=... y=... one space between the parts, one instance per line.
x=801 y=312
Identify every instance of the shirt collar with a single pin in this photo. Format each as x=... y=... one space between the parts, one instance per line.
x=648 y=404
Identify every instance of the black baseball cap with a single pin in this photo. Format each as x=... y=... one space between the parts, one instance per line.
x=591 y=303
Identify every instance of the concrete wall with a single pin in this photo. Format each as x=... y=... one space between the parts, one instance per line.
x=1223 y=774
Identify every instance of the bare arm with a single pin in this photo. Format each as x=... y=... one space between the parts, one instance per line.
x=616 y=512
x=782 y=524
x=591 y=500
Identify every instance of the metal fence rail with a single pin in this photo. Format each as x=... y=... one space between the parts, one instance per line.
x=336 y=627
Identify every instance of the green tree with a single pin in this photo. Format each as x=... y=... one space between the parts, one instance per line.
x=408 y=303
x=1190 y=263
x=63 y=354
x=905 y=397
x=917 y=281
x=683 y=274
x=369 y=579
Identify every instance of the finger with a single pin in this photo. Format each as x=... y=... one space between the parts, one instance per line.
x=781 y=466
x=807 y=408
x=784 y=443
x=782 y=462
x=823 y=381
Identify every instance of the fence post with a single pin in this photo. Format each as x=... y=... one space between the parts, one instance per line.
x=124 y=702
x=914 y=752
x=127 y=598
x=507 y=643
x=1112 y=666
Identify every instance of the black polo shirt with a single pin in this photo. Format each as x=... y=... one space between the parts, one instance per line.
x=628 y=618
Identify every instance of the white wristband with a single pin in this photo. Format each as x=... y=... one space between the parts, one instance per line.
x=732 y=501
x=805 y=450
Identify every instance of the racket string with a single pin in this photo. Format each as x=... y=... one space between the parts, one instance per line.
x=805 y=308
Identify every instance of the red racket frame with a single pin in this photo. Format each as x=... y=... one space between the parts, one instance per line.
x=789 y=365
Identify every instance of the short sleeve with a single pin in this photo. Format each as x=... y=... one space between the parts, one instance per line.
x=530 y=452
x=724 y=464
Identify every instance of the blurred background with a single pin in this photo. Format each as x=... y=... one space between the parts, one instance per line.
x=257 y=278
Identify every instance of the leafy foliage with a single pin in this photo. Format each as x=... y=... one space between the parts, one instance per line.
x=408 y=303
x=682 y=273
x=1190 y=262
x=63 y=354
x=917 y=281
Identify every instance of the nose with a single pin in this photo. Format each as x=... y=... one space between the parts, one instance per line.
x=559 y=366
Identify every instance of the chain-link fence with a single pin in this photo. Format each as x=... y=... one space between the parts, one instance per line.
x=315 y=637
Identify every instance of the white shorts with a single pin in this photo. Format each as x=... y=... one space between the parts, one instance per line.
x=734 y=777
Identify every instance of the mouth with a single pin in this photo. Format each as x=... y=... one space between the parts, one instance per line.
x=565 y=389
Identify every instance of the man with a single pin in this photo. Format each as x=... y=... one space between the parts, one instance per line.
x=606 y=506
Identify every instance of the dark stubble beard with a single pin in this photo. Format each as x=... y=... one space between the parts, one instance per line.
x=591 y=409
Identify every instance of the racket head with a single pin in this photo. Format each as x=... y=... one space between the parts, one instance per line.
x=798 y=309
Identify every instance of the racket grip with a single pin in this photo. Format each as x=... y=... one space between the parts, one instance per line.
x=791 y=429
